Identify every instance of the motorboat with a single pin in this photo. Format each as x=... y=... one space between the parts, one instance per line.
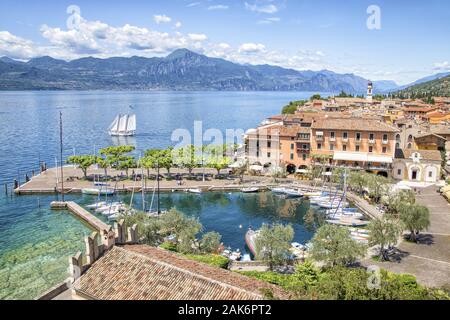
x=195 y=190
x=355 y=215
x=250 y=240
x=291 y=193
x=279 y=190
x=348 y=222
x=96 y=205
x=250 y=190
x=97 y=191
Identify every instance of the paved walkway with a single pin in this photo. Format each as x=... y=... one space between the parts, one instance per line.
x=428 y=260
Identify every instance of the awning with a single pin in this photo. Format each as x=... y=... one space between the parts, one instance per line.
x=256 y=168
x=380 y=159
x=350 y=156
x=361 y=156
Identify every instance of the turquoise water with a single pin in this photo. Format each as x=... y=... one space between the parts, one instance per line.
x=35 y=243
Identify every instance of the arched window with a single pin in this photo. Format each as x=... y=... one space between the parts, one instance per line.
x=397 y=145
x=410 y=138
x=397 y=138
x=409 y=145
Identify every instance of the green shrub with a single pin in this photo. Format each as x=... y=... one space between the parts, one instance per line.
x=214 y=260
x=170 y=246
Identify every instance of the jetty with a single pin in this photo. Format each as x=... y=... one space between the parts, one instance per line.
x=82 y=214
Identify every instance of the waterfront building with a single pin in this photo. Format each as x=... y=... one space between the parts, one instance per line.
x=358 y=143
x=417 y=165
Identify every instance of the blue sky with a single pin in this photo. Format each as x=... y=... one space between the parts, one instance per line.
x=412 y=42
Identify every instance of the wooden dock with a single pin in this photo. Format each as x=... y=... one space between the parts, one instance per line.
x=82 y=214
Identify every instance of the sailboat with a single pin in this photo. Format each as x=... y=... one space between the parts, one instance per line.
x=123 y=125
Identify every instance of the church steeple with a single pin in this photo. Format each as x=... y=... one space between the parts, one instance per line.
x=369 y=91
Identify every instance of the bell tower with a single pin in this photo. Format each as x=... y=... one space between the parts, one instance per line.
x=369 y=91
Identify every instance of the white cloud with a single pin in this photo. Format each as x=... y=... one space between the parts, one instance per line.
x=193 y=4
x=218 y=7
x=158 y=18
x=16 y=47
x=267 y=8
x=251 y=47
x=269 y=20
x=441 y=66
x=197 y=37
x=177 y=25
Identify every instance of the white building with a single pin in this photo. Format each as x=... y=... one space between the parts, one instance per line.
x=417 y=165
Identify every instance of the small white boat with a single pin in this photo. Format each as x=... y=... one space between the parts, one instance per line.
x=348 y=222
x=291 y=193
x=278 y=190
x=97 y=191
x=195 y=190
x=250 y=240
x=250 y=190
x=96 y=205
x=355 y=215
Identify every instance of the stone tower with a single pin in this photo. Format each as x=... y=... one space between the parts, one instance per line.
x=369 y=91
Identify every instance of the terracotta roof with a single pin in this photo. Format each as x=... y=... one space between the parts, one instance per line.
x=141 y=272
x=433 y=155
x=356 y=123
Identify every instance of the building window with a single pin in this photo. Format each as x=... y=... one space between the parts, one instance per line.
x=292 y=156
x=370 y=149
x=399 y=172
x=430 y=174
x=371 y=136
x=409 y=145
x=357 y=148
x=344 y=147
x=410 y=137
x=304 y=157
x=292 y=146
x=397 y=145
x=319 y=146
x=385 y=137
x=269 y=144
x=384 y=149
x=332 y=135
x=331 y=147
x=268 y=154
x=358 y=136
x=345 y=135
x=397 y=138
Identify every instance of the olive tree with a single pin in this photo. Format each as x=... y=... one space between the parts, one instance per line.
x=273 y=243
x=333 y=245
x=415 y=217
x=384 y=233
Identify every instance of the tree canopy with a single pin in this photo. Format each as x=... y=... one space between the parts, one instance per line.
x=273 y=243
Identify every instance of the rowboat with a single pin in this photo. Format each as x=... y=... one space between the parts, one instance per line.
x=195 y=190
x=250 y=190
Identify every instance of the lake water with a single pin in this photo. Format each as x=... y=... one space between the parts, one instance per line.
x=35 y=242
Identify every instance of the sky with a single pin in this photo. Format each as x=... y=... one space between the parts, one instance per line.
x=400 y=40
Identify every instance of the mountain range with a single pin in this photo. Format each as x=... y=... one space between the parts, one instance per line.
x=180 y=70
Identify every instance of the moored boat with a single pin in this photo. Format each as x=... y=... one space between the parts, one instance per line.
x=250 y=190
x=250 y=240
x=97 y=191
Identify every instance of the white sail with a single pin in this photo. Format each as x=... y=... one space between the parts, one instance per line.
x=131 y=123
x=123 y=124
x=114 y=125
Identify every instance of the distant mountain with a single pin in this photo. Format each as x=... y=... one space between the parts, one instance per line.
x=425 y=79
x=440 y=86
x=180 y=70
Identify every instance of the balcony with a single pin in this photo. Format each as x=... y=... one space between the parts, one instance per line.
x=372 y=141
x=385 y=142
x=319 y=138
x=303 y=150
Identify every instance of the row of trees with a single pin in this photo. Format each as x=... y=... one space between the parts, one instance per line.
x=218 y=157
